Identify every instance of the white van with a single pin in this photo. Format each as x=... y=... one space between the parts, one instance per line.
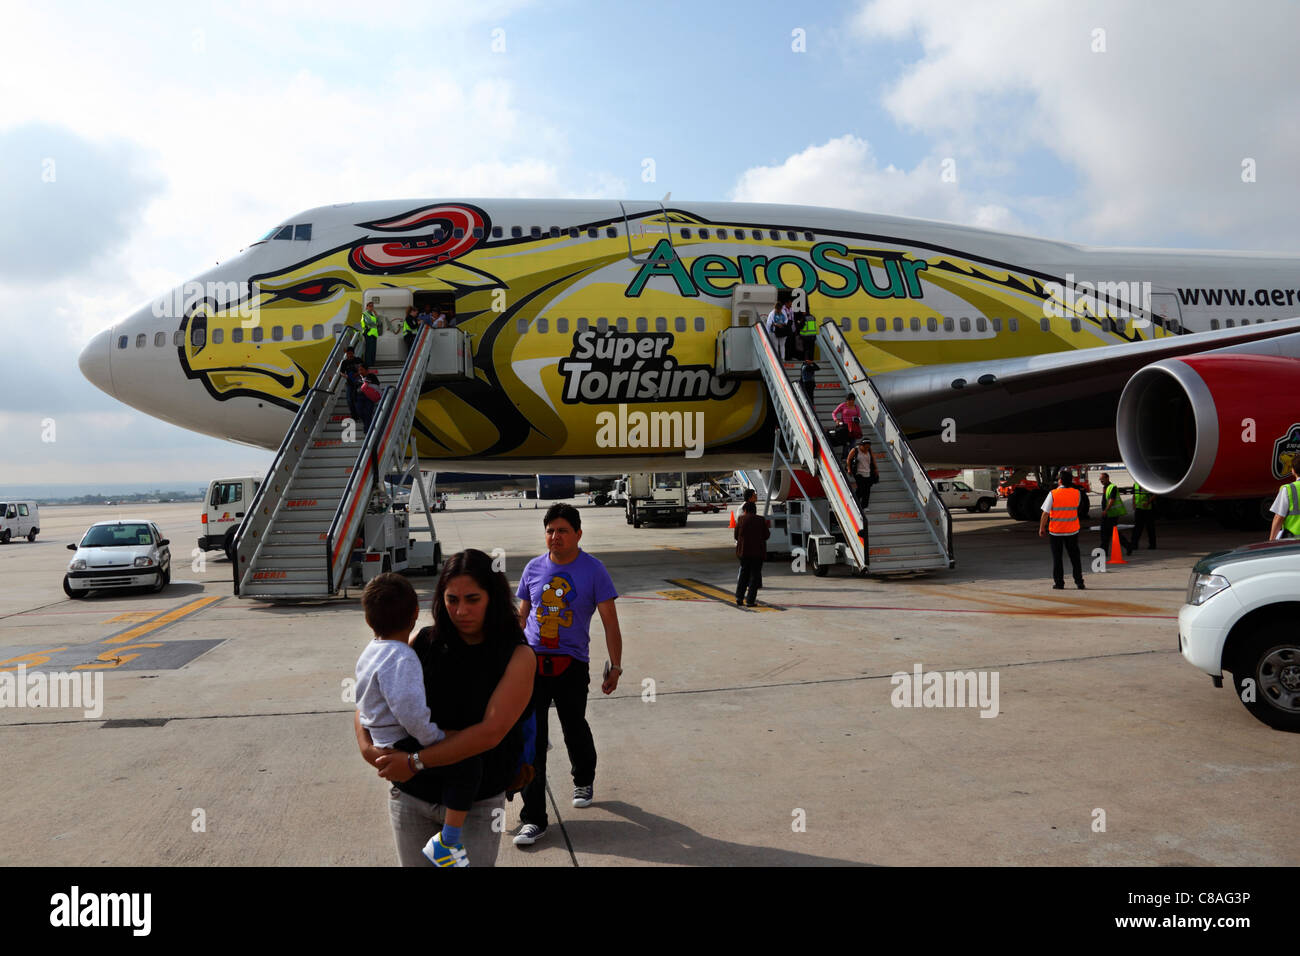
x=224 y=508
x=19 y=519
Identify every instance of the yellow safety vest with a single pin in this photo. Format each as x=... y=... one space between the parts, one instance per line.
x=1292 y=520
x=1115 y=508
x=1065 y=511
x=1141 y=498
x=370 y=324
x=809 y=326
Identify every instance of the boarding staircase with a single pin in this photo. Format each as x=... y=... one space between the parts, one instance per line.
x=907 y=527
x=298 y=537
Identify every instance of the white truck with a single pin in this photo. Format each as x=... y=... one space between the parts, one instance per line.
x=224 y=508
x=657 y=497
x=19 y=519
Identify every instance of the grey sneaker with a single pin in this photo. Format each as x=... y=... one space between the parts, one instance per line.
x=529 y=834
x=582 y=796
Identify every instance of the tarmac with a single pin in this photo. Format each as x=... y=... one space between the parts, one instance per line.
x=766 y=737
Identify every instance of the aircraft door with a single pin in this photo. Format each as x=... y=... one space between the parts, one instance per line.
x=750 y=304
x=1165 y=311
x=646 y=225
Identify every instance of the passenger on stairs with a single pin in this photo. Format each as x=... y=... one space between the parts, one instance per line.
x=861 y=464
x=849 y=418
x=348 y=367
x=808 y=378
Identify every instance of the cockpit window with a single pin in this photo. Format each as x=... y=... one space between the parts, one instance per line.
x=285 y=233
x=302 y=232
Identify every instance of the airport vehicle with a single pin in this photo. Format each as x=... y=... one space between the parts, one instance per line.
x=226 y=503
x=1024 y=344
x=1240 y=616
x=958 y=494
x=19 y=519
x=656 y=498
x=123 y=553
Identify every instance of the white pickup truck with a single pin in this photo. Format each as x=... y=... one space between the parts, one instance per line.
x=1241 y=612
x=958 y=494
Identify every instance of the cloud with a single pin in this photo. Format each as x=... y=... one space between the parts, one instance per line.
x=845 y=174
x=1154 y=106
x=66 y=199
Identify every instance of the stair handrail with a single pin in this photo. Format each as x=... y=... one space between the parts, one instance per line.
x=938 y=518
x=258 y=516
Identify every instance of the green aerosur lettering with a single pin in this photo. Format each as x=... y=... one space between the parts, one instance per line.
x=828 y=271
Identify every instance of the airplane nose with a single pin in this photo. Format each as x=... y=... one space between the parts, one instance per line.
x=95 y=361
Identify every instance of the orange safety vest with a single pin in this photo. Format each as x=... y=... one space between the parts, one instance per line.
x=1065 y=511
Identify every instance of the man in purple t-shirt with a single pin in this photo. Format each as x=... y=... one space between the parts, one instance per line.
x=559 y=593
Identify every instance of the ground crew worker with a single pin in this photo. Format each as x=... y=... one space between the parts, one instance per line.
x=1286 y=506
x=808 y=334
x=1061 y=520
x=370 y=331
x=1112 y=507
x=410 y=324
x=1144 y=516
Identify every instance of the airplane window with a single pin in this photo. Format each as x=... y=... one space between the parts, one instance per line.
x=997 y=325
x=1229 y=323
x=573 y=232
x=915 y=324
x=1119 y=325
x=535 y=232
x=1013 y=325
x=302 y=232
x=880 y=323
x=1107 y=324
x=458 y=233
x=554 y=232
x=808 y=237
x=593 y=232
x=160 y=339
x=1074 y=325
x=898 y=323
x=236 y=335
x=178 y=338
x=661 y=323
x=846 y=324
x=496 y=232
x=1044 y=324
x=318 y=332
x=722 y=234
x=622 y=323
x=140 y=340
x=1214 y=324
x=981 y=324
x=338 y=328
x=198 y=337
x=699 y=323
x=277 y=333
x=217 y=336
x=562 y=326
x=257 y=333
x=704 y=233
x=516 y=231
x=642 y=324
x=864 y=324
x=521 y=326
x=478 y=232
x=582 y=324
x=542 y=325
x=679 y=323
x=611 y=232
x=285 y=233
x=775 y=234
x=686 y=232
x=791 y=236
x=932 y=324
x=296 y=333
x=965 y=324
x=437 y=232
x=121 y=341
x=947 y=324
x=602 y=324
x=758 y=233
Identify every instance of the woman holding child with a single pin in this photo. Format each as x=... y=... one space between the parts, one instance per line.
x=478 y=679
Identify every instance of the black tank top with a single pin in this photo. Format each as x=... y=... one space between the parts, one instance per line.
x=459 y=679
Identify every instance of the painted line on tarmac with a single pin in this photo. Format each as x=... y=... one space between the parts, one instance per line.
x=1026 y=612
x=162 y=621
x=717 y=594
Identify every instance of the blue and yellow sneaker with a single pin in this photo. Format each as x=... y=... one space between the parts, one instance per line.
x=442 y=855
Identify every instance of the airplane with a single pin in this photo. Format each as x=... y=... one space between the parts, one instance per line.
x=988 y=347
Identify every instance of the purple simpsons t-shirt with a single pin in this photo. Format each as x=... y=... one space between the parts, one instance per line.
x=563 y=599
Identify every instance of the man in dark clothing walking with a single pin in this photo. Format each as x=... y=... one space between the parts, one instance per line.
x=348 y=368
x=751 y=534
x=808 y=379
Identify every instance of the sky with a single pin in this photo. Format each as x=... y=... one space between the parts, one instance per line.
x=141 y=143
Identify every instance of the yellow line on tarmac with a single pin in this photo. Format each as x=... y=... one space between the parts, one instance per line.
x=170 y=617
x=717 y=594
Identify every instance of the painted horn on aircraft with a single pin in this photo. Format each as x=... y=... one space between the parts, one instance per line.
x=1211 y=425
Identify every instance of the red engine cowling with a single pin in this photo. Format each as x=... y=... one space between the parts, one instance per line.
x=1211 y=426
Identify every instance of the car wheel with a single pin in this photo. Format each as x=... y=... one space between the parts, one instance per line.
x=228 y=546
x=31 y=535
x=985 y=506
x=4 y=536
x=1271 y=662
x=75 y=595
x=818 y=569
x=160 y=583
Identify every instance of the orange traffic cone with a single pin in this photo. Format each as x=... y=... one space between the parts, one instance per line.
x=733 y=520
x=1116 y=549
